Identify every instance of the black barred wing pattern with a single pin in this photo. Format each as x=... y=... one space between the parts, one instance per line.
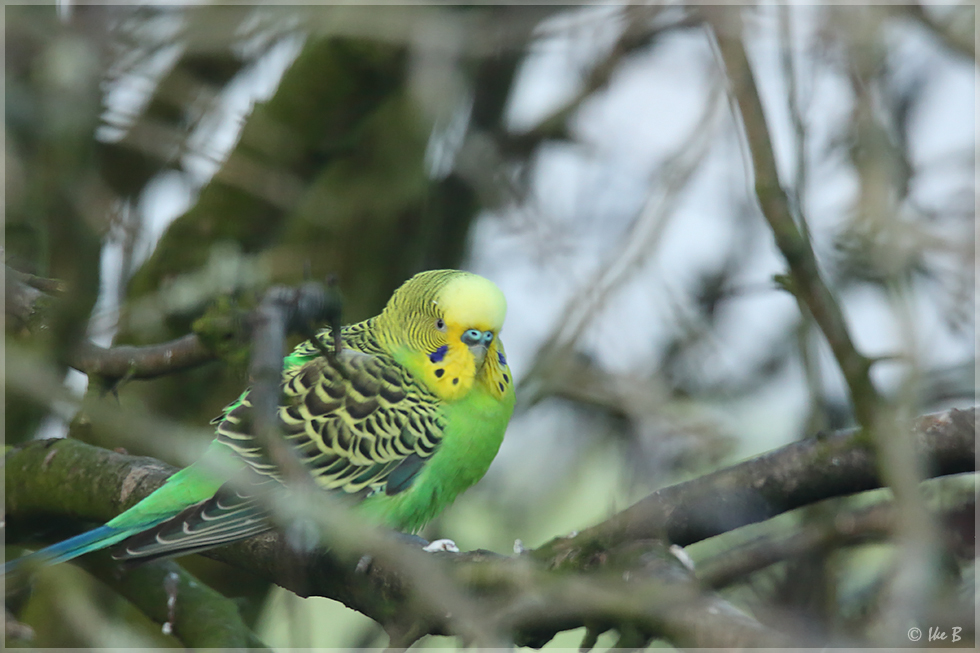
x=354 y=420
x=360 y=423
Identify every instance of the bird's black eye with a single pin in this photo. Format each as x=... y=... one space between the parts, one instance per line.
x=440 y=324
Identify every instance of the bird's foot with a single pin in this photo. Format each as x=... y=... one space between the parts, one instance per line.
x=430 y=547
x=364 y=564
x=441 y=545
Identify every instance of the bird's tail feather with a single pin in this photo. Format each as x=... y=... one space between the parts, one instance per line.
x=93 y=540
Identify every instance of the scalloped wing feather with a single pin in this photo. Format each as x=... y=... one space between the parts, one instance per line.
x=357 y=422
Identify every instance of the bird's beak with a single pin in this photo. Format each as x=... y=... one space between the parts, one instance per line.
x=479 y=354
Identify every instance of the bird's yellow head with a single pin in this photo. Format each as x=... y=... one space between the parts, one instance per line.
x=444 y=325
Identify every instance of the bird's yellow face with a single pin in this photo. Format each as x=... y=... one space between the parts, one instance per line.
x=453 y=329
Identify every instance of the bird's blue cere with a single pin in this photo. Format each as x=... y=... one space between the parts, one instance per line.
x=439 y=354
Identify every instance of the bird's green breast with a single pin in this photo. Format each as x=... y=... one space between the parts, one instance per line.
x=475 y=428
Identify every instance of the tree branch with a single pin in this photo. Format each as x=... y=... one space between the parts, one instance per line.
x=854 y=527
x=895 y=458
x=626 y=579
x=793 y=476
x=301 y=308
x=66 y=477
x=960 y=42
x=202 y=618
x=145 y=362
x=804 y=272
x=26 y=300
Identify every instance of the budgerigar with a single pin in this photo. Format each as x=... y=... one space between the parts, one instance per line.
x=410 y=414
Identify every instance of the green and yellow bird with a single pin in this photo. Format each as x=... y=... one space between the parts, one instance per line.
x=408 y=416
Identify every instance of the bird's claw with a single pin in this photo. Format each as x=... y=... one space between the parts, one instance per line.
x=441 y=545
x=682 y=555
x=363 y=565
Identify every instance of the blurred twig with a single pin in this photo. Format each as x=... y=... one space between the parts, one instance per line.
x=144 y=362
x=637 y=244
x=280 y=309
x=807 y=283
x=639 y=32
x=960 y=41
x=846 y=529
x=898 y=467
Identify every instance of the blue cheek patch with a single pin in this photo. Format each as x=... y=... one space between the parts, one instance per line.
x=500 y=357
x=439 y=354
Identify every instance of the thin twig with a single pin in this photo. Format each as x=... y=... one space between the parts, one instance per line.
x=639 y=32
x=807 y=282
x=855 y=527
x=143 y=362
x=637 y=244
x=850 y=528
x=25 y=301
x=960 y=41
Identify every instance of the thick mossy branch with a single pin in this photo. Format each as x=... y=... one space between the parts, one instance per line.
x=202 y=618
x=69 y=478
x=93 y=484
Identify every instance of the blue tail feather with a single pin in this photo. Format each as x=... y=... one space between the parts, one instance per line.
x=93 y=540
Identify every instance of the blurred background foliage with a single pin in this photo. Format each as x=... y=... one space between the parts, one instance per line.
x=161 y=159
